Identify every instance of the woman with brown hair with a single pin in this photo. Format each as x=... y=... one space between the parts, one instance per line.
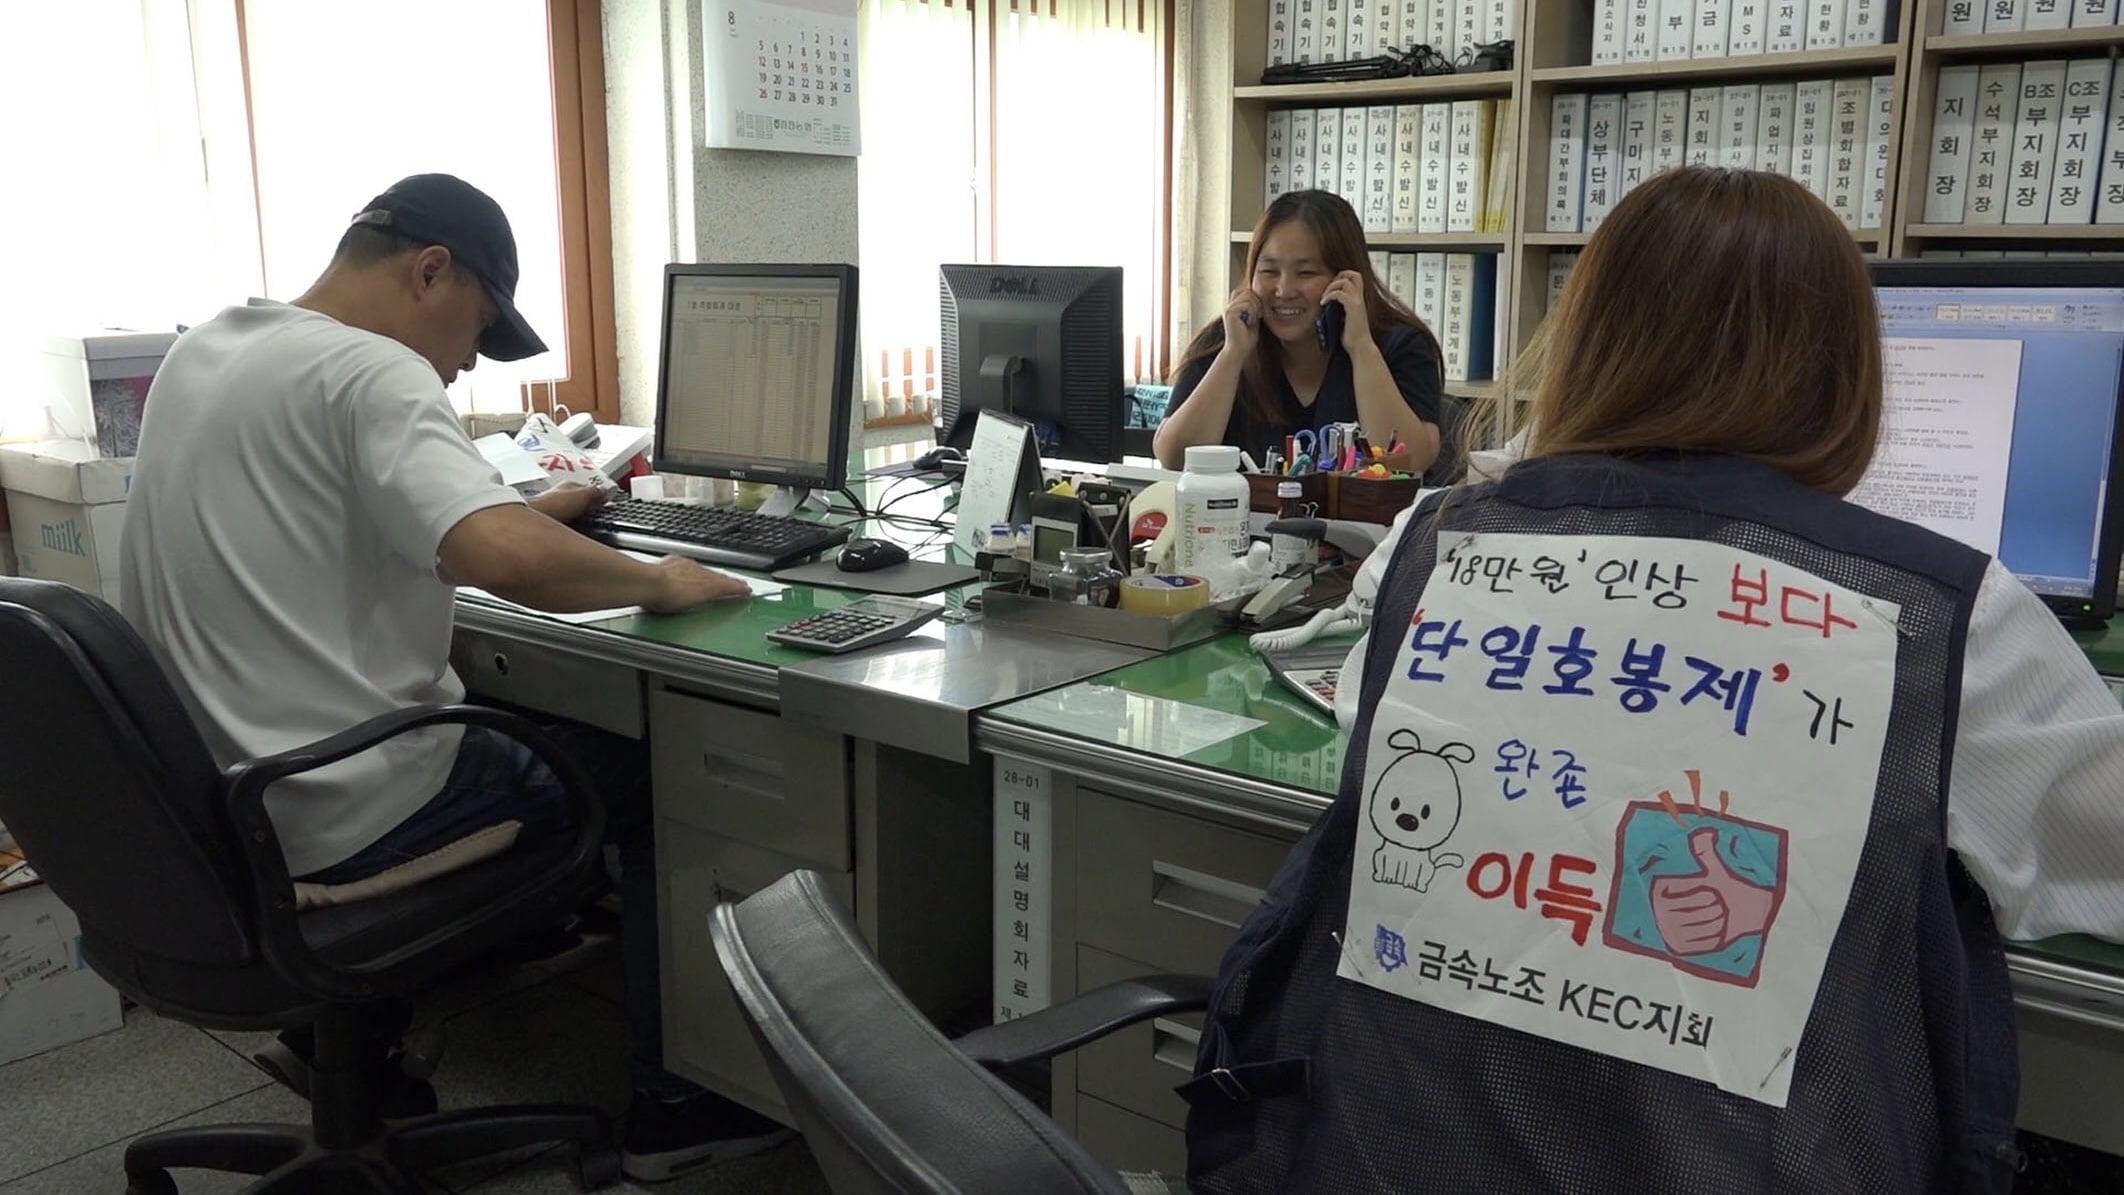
x=1262 y=373
x=1686 y=802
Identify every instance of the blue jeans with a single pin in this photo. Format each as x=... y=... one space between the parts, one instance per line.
x=496 y=779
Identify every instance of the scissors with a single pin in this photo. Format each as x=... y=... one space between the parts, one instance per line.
x=1331 y=445
x=1302 y=444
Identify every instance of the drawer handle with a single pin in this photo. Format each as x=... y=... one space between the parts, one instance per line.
x=1205 y=897
x=501 y=664
x=1174 y=1044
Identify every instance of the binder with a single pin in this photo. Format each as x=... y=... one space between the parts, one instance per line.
x=1710 y=37
x=1825 y=24
x=1305 y=32
x=1738 y=109
x=1438 y=26
x=1641 y=30
x=1880 y=139
x=1603 y=158
x=1378 y=206
x=1378 y=259
x=1670 y=131
x=1811 y=112
x=1437 y=168
x=1744 y=36
x=2089 y=13
x=1430 y=294
x=1401 y=279
x=2072 y=190
x=2004 y=16
x=1676 y=29
x=1501 y=21
x=1636 y=161
x=1279 y=43
x=1785 y=26
x=1408 y=165
x=1357 y=29
x=1998 y=107
x=1964 y=18
x=2046 y=14
x=1504 y=159
x=1332 y=15
x=1567 y=163
x=1276 y=154
x=1467 y=25
x=1704 y=104
x=1304 y=158
x=1351 y=183
x=2035 y=141
x=1327 y=149
x=1470 y=316
x=1472 y=121
x=1773 y=128
x=1850 y=120
x=1864 y=21
x=1415 y=14
x=1386 y=27
x=1607 y=32
x=1560 y=263
x=1953 y=123
x=2109 y=197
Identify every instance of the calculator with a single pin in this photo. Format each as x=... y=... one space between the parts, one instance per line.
x=1310 y=672
x=857 y=625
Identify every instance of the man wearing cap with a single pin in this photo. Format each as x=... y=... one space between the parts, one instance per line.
x=304 y=501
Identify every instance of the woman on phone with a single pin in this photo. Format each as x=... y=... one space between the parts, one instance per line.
x=1281 y=361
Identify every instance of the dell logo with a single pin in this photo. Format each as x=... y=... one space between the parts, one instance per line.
x=1001 y=285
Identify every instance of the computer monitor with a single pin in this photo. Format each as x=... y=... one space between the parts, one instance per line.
x=757 y=375
x=1042 y=343
x=2001 y=428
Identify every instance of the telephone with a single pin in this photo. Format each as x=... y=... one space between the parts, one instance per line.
x=1330 y=324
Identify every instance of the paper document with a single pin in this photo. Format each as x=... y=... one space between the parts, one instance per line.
x=761 y=587
x=1946 y=436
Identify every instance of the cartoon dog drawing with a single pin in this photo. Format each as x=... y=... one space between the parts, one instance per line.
x=1415 y=806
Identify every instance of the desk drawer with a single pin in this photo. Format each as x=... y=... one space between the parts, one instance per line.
x=607 y=696
x=751 y=777
x=1137 y=1067
x=1126 y=1141
x=1166 y=888
x=706 y=1037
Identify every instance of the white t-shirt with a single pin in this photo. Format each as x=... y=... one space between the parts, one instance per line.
x=294 y=483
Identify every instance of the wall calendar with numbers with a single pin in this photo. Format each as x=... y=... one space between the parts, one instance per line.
x=781 y=75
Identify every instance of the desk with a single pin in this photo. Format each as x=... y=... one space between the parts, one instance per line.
x=1156 y=861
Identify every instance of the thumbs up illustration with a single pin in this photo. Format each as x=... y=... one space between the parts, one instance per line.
x=1708 y=911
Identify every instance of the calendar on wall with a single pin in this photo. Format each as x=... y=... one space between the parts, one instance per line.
x=781 y=75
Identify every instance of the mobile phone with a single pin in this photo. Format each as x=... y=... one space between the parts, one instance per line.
x=1329 y=325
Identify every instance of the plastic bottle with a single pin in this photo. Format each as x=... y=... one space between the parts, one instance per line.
x=1289 y=553
x=1213 y=500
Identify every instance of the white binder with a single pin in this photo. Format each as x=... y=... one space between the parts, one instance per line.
x=1603 y=158
x=1812 y=105
x=1991 y=145
x=1953 y=123
x=1773 y=128
x=2035 y=141
x=1408 y=166
x=1567 y=162
x=2072 y=181
x=1738 y=106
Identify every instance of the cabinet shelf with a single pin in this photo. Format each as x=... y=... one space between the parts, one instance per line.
x=1475 y=85
x=2017 y=232
x=1820 y=62
x=2023 y=44
x=1495 y=241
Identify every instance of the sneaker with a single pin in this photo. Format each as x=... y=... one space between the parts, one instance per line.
x=667 y=1138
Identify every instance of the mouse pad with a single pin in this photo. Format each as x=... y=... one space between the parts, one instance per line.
x=912 y=579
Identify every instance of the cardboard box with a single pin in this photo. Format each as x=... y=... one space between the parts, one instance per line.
x=48 y=996
x=99 y=385
x=66 y=505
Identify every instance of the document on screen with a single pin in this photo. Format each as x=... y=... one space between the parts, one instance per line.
x=1946 y=436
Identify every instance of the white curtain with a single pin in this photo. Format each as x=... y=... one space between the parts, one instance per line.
x=1031 y=132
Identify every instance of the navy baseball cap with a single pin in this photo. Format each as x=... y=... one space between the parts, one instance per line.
x=442 y=209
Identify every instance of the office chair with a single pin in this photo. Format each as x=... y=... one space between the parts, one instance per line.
x=185 y=903
x=887 y=1103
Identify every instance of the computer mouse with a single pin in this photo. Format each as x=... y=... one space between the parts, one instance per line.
x=941 y=459
x=869 y=555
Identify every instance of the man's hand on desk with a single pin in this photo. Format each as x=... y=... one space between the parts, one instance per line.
x=569 y=504
x=683 y=585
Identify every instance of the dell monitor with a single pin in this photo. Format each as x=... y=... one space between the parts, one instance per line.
x=2001 y=428
x=1042 y=343
x=757 y=376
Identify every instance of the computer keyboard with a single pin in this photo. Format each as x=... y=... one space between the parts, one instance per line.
x=712 y=534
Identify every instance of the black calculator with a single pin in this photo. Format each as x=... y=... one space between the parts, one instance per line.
x=857 y=625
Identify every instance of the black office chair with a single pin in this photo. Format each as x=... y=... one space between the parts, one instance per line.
x=887 y=1103
x=186 y=906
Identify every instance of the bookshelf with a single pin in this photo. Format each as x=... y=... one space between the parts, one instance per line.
x=1554 y=56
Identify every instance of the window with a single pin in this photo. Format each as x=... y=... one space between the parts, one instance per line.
x=194 y=152
x=1033 y=132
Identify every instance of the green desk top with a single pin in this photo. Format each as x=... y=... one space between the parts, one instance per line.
x=2105 y=647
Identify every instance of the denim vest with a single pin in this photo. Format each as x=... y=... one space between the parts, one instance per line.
x=1907 y=1079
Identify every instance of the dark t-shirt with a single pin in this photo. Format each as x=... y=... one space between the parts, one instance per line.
x=1411 y=357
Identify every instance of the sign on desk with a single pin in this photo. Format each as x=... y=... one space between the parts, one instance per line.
x=1023 y=887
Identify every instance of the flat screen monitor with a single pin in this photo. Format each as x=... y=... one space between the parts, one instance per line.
x=757 y=374
x=2001 y=428
x=1042 y=343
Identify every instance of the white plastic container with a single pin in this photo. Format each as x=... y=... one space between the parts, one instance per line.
x=1212 y=499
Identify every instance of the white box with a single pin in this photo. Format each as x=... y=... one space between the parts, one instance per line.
x=96 y=385
x=48 y=996
x=66 y=507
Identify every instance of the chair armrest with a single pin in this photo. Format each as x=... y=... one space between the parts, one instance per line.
x=1085 y=1018
x=280 y=933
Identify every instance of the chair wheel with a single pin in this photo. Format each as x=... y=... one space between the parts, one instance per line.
x=155 y=1182
x=596 y=1166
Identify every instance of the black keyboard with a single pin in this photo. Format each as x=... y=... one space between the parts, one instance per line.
x=714 y=534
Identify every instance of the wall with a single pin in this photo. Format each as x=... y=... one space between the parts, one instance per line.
x=1202 y=180
x=674 y=200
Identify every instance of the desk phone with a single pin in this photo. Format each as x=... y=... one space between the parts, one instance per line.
x=857 y=625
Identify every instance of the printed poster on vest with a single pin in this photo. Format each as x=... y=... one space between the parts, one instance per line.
x=1615 y=796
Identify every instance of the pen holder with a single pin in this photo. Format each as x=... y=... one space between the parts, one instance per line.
x=1313 y=490
x=1371 y=499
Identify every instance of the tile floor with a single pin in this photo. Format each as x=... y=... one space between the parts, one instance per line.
x=538 y=1032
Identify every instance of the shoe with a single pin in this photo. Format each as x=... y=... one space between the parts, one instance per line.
x=667 y=1138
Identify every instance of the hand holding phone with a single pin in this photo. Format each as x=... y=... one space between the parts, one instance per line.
x=1330 y=324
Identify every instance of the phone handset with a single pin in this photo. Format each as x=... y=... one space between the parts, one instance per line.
x=1330 y=324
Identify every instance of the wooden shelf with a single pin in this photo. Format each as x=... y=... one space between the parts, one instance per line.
x=1480 y=83
x=1573 y=240
x=1414 y=240
x=1482 y=389
x=1977 y=45
x=2018 y=232
x=1819 y=62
